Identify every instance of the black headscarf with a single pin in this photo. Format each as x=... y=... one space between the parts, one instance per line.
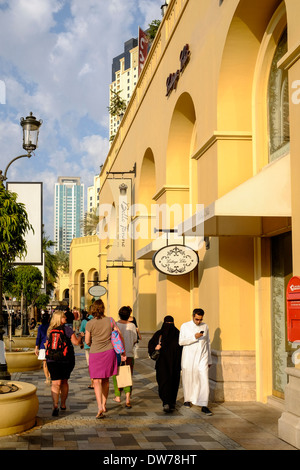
x=167 y=326
x=169 y=336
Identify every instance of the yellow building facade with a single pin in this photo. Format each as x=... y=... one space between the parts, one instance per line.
x=213 y=123
x=83 y=270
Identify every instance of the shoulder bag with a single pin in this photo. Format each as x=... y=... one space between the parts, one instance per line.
x=116 y=339
x=156 y=353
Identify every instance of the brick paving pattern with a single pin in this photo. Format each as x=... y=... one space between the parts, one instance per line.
x=233 y=426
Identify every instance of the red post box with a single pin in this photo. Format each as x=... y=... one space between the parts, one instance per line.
x=293 y=309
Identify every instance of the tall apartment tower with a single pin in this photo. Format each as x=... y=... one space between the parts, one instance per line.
x=68 y=211
x=124 y=78
x=93 y=194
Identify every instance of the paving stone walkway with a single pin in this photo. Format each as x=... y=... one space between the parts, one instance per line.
x=233 y=426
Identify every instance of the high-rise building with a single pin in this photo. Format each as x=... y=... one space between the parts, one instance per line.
x=124 y=78
x=93 y=194
x=68 y=211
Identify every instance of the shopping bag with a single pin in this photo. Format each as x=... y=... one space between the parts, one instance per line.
x=124 y=378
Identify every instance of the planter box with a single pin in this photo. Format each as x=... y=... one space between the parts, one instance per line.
x=22 y=359
x=18 y=409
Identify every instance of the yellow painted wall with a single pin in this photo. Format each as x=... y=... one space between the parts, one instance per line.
x=62 y=285
x=83 y=259
x=208 y=137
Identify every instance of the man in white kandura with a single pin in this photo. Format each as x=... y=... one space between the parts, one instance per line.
x=196 y=360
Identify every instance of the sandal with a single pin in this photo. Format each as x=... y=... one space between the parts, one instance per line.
x=128 y=405
x=117 y=401
x=100 y=415
x=55 y=412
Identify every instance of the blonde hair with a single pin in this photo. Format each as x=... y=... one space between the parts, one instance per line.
x=55 y=320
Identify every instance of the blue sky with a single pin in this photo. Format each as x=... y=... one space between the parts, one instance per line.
x=55 y=60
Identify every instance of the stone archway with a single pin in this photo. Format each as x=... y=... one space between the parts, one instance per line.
x=239 y=58
x=180 y=142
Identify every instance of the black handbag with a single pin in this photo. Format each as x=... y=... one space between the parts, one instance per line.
x=156 y=353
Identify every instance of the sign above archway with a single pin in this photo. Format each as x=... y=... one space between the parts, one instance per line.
x=97 y=291
x=173 y=78
x=175 y=260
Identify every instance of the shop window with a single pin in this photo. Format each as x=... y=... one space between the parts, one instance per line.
x=278 y=105
x=82 y=285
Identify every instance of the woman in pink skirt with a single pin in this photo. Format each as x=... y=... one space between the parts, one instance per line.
x=103 y=359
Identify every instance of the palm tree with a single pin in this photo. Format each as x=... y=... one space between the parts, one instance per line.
x=90 y=222
x=51 y=266
x=153 y=28
x=62 y=259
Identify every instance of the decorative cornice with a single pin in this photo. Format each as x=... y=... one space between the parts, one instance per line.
x=167 y=188
x=221 y=135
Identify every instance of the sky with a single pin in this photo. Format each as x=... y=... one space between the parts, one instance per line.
x=55 y=61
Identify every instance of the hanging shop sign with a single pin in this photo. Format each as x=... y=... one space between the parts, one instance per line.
x=122 y=245
x=175 y=260
x=97 y=291
x=173 y=78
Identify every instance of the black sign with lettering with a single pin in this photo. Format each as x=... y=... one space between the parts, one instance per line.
x=173 y=78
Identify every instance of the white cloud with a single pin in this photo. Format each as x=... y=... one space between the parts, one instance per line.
x=55 y=60
x=85 y=69
x=94 y=147
x=150 y=11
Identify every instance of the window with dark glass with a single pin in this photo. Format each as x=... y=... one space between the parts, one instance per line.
x=278 y=105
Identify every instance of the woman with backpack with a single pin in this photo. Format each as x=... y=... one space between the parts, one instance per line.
x=60 y=358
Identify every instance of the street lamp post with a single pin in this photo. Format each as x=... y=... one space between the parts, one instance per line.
x=30 y=128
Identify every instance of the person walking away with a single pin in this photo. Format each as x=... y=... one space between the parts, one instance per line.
x=133 y=320
x=60 y=362
x=129 y=332
x=102 y=358
x=168 y=365
x=76 y=321
x=41 y=339
x=85 y=319
x=69 y=317
x=196 y=360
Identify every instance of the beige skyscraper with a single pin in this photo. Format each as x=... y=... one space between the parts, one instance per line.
x=124 y=79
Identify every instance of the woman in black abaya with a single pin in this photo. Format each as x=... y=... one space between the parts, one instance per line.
x=168 y=365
